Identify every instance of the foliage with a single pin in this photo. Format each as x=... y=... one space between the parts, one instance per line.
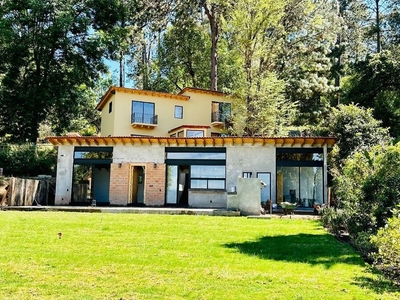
x=387 y=240
x=301 y=56
x=47 y=52
x=308 y=34
x=260 y=105
x=27 y=160
x=355 y=129
x=382 y=188
x=374 y=85
x=180 y=64
x=364 y=246
x=334 y=220
x=367 y=189
x=262 y=111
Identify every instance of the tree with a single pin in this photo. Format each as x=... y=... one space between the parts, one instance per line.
x=260 y=107
x=87 y=121
x=47 y=52
x=356 y=130
x=214 y=10
x=178 y=63
x=378 y=18
x=349 y=47
x=374 y=84
x=308 y=36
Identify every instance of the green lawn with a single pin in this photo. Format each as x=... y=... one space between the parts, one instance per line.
x=131 y=256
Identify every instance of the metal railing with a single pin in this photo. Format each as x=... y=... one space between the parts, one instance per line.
x=219 y=117
x=144 y=118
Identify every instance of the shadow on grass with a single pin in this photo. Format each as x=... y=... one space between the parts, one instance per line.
x=379 y=285
x=302 y=248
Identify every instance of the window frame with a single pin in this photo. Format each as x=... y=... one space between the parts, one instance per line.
x=199 y=160
x=178 y=114
x=194 y=131
x=247 y=174
x=143 y=118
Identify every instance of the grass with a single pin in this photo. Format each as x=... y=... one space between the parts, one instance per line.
x=130 y=256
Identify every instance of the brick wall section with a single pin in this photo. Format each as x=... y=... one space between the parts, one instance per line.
x=119 y=184
x=154 y=193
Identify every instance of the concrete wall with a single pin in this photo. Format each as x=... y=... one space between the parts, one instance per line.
x=138 y=153
x=248 y=198
x=65 y=169
x=253 y=159
x=207 y=198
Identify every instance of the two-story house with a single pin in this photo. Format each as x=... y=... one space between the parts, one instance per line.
x=159 y=149
x=191 y=113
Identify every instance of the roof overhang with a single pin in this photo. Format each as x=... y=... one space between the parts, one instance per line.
x=114 y=89
x=201 y=91
x=193 y=142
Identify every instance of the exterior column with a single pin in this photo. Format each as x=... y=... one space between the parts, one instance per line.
x=65 y=168
x=325 y=174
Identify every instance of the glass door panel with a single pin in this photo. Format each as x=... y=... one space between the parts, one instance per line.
x=311 y=185
x=172 y=184
x=265 y=192
x=289 y=177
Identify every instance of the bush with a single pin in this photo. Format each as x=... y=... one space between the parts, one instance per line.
x=27 y=160
x=364 y=246
x=382 y=188
x=368 y=188
x=387 y=241
x=334 y=220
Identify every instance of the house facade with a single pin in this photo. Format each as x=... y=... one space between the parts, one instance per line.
x=191 y=113
x=159 y=149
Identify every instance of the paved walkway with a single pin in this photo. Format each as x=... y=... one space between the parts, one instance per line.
x=161 y=210
x=133 y=210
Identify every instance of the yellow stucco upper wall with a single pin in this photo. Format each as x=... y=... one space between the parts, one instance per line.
x=107 y=118
x=196 y=111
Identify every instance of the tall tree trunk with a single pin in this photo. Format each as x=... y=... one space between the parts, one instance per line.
x=214 y=29
x=121 y=69
x=378 y=26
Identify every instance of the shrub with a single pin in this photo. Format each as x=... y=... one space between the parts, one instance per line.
x=364 y=246
x=382 y=188
x=334 y=220
x=368 y=188
x=387 y=241
x=27 y=160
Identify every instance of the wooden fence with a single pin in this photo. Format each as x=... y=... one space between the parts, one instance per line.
x=27 y=192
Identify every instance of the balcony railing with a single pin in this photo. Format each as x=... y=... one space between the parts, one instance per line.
x=147 y=120
x=217 y=117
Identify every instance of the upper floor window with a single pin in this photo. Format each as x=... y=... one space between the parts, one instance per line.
x=178 y=112
x=220 y=111
x=110 y=107
x=143 y=112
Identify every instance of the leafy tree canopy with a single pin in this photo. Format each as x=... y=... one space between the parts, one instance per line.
x=355 y=129
x=48 y=52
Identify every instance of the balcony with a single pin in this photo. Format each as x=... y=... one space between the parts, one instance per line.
x=141 y=120
x=219 y=119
